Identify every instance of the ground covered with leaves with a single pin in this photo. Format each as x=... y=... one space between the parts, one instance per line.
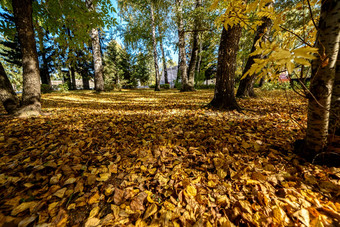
x=140 y=158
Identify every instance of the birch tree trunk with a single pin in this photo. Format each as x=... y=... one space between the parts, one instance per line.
x=224 y=97
x=7 y=95
x=194 y=53
x=323 y=73
x=246 y=87
x=154 y=45
x=97 y=56
x=30 y=104
x=164 y=62
x=181 y=44
x=334 y=119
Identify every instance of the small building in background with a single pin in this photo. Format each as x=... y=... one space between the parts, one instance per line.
x=172 y=75
x=79 y=84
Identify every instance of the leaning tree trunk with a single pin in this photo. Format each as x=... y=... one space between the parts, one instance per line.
x=246 y=87
x=224 y=97
x=334 y=119
x=97 y=56
x=194 y=54
x=7 y=95
x=323 y=72
x=181 y=45
x=154 y=45
x=30 y=104
x=164 y=62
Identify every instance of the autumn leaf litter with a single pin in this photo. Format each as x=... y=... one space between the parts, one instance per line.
x=140 y=158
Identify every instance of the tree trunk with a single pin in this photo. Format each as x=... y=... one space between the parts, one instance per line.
x=164 y=63
x=334 y=119
x=86 y=81
x=7 y=95
x=194 y=54
x=323 y=77
x=31 y=105
x=224 y=97
x=44 y=72
x=181 y=45
x=198 y=69
x=246 y=87
x=97 y=61
x=97 y=56
x=73 y=79
x=154 y=45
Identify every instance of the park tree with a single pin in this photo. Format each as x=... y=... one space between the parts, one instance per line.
x=195 y=48
x=323 y=75
x=246 y=87
x=30 y=103
x=154 y=46
x=97 y=57
x=334 y=119
x=7 y=95
x=321 y=45
x=181 y=43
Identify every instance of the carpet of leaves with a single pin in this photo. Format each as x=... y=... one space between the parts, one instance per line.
x=140 y=158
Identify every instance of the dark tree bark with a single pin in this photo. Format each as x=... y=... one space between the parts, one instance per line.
x=7 y=95
x=262 y=81
x=44 y=72
x=181 y=44
x=246 y=87
x=224 y=97
x=31 y=105
x=334 y=118
x=97 y=56
x=323 y=74
x=86 y=82
x=190 y=86
x=154 y=45
x=164 y=62
x=73 y=78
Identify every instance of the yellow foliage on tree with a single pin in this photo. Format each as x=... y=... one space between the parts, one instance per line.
x=287 y=49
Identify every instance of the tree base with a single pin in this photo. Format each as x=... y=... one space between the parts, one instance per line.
x=328 y=157
x=215 y=104
x=28 y=111
x=187 y=88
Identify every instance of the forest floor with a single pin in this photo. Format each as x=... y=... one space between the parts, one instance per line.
x=140 y=158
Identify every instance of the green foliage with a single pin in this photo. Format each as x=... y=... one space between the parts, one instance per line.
x=165 y=86
x=63 y=87
x=269 y=86
x=178 y=85
x=45 y=88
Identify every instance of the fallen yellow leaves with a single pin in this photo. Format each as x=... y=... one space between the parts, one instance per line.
x=108 y=160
